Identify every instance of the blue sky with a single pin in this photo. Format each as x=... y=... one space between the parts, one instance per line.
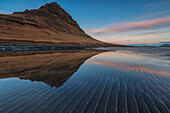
x=115 y=21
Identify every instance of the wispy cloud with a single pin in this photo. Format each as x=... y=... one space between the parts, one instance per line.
x=133 y=26
x=155 y=5
x=160 y=14
x=146 y=37
x=4 y=12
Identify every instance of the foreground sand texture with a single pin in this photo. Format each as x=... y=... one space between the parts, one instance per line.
x=50 y=24
x=111 y=82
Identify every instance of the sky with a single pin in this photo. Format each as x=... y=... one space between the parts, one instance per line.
x=133 y=22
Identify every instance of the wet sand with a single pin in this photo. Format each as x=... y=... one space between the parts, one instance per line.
x=133 y=81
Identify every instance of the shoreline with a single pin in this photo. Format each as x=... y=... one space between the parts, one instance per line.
x=13 y=47
x=8 y=47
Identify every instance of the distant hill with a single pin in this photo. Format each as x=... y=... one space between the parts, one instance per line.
x=48 y=24
x=165 y=45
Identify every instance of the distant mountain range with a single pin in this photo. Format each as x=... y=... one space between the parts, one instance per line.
x=165 y=45
x=152 y=45
x=50 y=24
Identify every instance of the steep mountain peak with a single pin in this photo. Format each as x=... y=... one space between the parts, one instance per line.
x=55 y=9
x=50 y=23
x=53 y=4
x=52 y=7
x=51 y=10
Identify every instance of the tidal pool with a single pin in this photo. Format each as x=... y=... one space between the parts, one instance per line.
x=87 y=81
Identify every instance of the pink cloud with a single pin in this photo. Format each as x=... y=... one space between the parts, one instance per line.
x=133 y=26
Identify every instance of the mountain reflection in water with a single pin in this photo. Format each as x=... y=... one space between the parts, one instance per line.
x=85 y=81
x=51 y=68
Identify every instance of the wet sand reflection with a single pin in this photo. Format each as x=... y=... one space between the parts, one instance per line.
x=53 y=68
x=87 y=81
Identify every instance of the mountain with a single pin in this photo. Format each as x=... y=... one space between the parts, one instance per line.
x=165 y=45
x=48 y=24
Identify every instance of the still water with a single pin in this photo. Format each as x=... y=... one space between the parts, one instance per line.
x=87 y=81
